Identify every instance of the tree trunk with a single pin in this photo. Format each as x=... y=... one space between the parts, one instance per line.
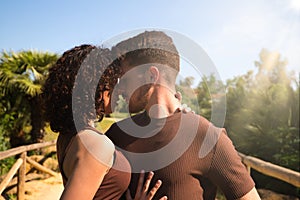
x=37 y=121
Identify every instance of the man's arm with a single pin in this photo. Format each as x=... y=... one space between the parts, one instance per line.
x=229 y=173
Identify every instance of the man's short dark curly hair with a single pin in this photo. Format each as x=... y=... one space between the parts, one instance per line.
x=150 y=47
x=73 y=90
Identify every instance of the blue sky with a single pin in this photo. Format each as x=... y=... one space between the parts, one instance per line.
x=231 y=32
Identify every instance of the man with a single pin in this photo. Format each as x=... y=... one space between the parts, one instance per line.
x=162 y=138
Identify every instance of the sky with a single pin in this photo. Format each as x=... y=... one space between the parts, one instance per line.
x=231 y=32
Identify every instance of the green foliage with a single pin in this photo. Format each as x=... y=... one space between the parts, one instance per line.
x=24 y=71
x=189 y=96
x=22 y=75
x=49 y=134
x=104 y=125
x=5 y=164
x=122 y=106
x=4 y=141
x=263 y=114
x=210 y=93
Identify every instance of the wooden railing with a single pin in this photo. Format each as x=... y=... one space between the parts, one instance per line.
x=20 y=166
x=269 y=169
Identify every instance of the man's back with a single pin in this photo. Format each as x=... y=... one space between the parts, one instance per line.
x=170 y=147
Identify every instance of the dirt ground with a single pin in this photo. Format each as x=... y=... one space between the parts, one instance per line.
x=44 y=188
x=48 y=189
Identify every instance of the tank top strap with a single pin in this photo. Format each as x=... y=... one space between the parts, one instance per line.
x=63 y=157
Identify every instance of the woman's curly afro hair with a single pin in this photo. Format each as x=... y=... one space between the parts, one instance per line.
x=73 y=90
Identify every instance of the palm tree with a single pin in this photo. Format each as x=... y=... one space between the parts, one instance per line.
x=22 y=75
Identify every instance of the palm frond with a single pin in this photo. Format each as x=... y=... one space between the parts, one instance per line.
x=24 y=71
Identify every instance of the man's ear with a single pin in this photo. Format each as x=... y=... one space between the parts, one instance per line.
x=154 y=74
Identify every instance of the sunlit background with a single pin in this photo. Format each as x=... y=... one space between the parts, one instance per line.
x=231 y=32
x=254 y=46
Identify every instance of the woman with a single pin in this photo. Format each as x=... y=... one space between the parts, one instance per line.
x=75 y=96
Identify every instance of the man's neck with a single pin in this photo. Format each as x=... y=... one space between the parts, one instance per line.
x=162 y=102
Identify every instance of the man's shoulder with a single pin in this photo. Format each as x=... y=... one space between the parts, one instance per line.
x=126 y=121
x=204 y=123
x=192 y=117
x=205 y=128
x=120 y=131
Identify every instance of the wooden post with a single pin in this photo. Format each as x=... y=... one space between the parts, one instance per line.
x=249 y=169
x=9 y=176
x=21 y=178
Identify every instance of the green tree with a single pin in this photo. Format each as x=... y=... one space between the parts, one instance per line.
x=189 y=95
x=210 y=95
x=237 y=90
x=22 y=75
x=263 y=113
x=122 y=106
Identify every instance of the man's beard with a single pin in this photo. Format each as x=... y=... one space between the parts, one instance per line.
x=140 y=100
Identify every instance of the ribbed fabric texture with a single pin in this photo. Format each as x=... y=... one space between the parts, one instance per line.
x=188 y=176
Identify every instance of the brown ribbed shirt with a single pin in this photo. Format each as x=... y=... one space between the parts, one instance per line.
x=186 y=152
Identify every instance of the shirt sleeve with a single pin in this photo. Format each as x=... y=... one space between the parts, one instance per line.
x=227 y=170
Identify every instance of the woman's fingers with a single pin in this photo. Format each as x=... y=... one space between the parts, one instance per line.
x=148 y=181
x=140 y=183
x=153 y=191
x=142 y=188
x=164 y=198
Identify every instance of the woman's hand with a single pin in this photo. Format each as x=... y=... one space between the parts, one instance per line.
x=183 y=107
x=142 y=191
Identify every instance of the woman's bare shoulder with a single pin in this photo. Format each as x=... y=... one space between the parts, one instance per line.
x=97 y=145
